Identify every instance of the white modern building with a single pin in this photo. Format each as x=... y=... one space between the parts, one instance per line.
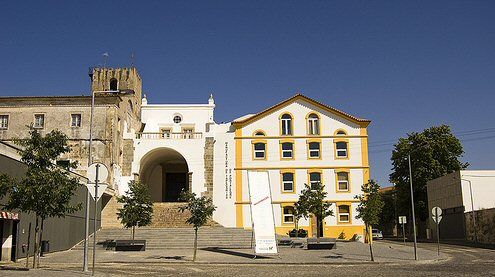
x=458 y=194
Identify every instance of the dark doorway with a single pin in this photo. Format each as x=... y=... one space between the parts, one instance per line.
x=175 y=183
x=15 y=233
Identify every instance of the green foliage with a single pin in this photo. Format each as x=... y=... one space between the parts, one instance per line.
x=312 y=202
x=201 y=208
x=370 y=204
x=46 y=189
x=434 y=152
x=138 y=206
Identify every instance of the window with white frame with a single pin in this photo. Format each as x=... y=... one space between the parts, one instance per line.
x=314 y=178
x=286 y=122
x=39 y=121
x=287 y=150
x=4 y=121
x=343 y=181
x=75 y=120
x=341 y=149
x=313 y=124
x=288 y=214
x=314 y=149
x=344 y=213
x=259 y=151
x=287 y=182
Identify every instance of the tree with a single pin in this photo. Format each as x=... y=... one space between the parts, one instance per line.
x=369 y=208
x=312 y=201
x=138 y=207
x=434 y=152
x=201 y=209
x=46 y=189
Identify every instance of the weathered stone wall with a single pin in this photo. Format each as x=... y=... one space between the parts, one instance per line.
x=209 y=161
x=485 y=223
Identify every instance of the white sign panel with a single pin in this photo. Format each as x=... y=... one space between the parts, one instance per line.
x=102 y=173
x=402 y=220
x=262 y=212
x=436 y=211
x=92 y=189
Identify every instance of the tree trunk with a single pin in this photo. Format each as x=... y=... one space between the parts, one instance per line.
x=370 y=241
x=41 y=239
x=195 y=242
x=133 y=232
x=35 y=250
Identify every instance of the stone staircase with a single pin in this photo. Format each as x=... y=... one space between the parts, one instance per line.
x=179 y=238
x=165 y=215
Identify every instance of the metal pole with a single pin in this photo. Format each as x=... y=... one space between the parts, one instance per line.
x=438 y=234
x=94 y=219
x=473 y=214
x=403 y=233
x=412 y=205
x=88 y=197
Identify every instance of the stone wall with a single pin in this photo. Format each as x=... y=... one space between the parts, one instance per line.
x=209 y=162
x=485 y=224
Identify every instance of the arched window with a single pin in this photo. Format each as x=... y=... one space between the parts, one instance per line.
x=259 y=133
x=340 y=133
x=286 y=124
x=313 y=124
x=344 y=213
x=114 y=84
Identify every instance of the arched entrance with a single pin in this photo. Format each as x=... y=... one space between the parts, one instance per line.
x=166 y=173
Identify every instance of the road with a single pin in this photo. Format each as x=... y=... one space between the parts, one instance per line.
x=463 y=261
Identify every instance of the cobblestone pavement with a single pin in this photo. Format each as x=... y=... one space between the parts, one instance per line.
x=456 y=261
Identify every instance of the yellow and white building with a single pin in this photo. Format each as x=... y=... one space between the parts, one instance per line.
x=300 y=141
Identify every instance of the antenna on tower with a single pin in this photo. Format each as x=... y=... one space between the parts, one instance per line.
x=133 y=58
x=105 y=59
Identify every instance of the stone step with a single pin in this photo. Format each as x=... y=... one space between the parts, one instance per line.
x=170 y=238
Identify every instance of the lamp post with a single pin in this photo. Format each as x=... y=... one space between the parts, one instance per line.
x=412 y=205
x=90 y=161
x=412 y=198
x=472 y=210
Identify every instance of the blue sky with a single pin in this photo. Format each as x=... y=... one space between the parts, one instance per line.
x=406 y=65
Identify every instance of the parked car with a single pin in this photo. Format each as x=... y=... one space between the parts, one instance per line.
x=377 y=234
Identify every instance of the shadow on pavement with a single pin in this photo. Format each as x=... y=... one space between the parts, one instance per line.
x=178 y=258
x=233 y=253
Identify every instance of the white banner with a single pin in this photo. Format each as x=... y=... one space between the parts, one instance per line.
x=262 y=212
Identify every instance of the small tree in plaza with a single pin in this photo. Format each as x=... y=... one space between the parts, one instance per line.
x=369 y=208
x=138 y=206
x=201 y=209
x=312 y=201
x=46 y=189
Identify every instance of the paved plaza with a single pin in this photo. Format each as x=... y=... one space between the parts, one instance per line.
x=350 y=258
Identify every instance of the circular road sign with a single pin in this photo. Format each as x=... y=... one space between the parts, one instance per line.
x=102 y=173
x=436 y=211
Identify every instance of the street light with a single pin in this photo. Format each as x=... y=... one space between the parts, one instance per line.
x=472 y=210
x=412 y=198
x=90 y=161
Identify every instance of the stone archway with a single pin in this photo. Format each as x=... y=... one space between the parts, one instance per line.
x=166 y=173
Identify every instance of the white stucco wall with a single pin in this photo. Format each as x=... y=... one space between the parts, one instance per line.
x=483 y=188
x=224 y=176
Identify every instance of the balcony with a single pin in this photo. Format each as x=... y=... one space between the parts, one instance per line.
x=168 y=135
